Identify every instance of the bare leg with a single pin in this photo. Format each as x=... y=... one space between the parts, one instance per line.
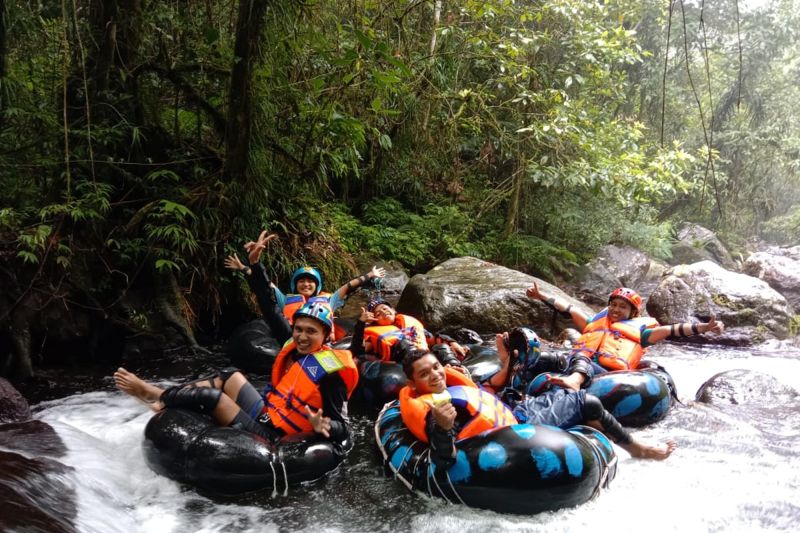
x=225 y=411
x=130 y=383
x=648 y=451
x=639 y=449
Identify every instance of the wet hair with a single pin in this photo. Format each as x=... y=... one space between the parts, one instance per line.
x=412 y=357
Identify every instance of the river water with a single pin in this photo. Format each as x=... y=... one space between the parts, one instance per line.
x=734 y=471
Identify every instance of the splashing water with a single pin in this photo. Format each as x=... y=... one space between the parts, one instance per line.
x=730 y=473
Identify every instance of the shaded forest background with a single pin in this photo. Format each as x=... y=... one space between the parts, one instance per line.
x=143 y=141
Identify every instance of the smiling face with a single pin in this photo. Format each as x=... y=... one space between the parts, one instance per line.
x=619 y=309
x=306 y=286
x=427 y=375
x=309 y=335
x=384 y=315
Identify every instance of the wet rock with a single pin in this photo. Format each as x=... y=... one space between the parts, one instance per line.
x=614 y=266
x=35 y=492
x=462 y=335
x=751 y=310
x=13 y=406
x=488 y=298
x=780 y=267
x=34 y=437
x=696 y=243
x=746 y=387
x=648 y=284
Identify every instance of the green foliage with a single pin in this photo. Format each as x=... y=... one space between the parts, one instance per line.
x=168 y=228
x=525 y=133
x=784 y=229
x=32 y=243
x=536 y=256
x=652 y=238
x=417 y=240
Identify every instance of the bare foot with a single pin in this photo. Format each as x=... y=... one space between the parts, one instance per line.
x=647 y=451
x=571 y=382
x=130 y=383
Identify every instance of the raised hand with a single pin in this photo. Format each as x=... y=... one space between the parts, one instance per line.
x=377 y=272
x=232 y=262
x=714 y=325
x=535 y=293
x=255 y=248
x=366 y=316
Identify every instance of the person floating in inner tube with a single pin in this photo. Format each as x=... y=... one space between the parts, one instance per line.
x=440 y=406
x=380 y=329
x=616 y=337
x=309 y=387
x=304 y=287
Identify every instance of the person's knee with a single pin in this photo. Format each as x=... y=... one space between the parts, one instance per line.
x=593 y=411
x=593 y=408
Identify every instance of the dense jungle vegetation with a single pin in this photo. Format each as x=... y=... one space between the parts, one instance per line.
x=142 y=141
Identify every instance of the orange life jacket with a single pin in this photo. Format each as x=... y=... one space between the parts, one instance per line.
x=296 y=301
x=405 y=327
x=295 y=384
x=485 y=410
x=615 y=346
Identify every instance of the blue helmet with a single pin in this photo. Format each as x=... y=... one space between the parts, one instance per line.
x=306 y=272
x=320 y=311
x=527 y=344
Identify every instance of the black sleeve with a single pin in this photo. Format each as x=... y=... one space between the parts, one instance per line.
x=441 y=443
x=357 y=342
x=259 y=284
x=334 y=396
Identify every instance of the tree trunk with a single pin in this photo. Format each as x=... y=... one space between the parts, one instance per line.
x=250 y=22
x=437 y=15
x=512 y=216
x=168 y=301
x=21 y=364
x=3 y=53
x=104 y=20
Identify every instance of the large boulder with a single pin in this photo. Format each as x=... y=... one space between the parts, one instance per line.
x=648 y=284
x=488 y=298
x=614 y=266
x=746 y=387
x=36 y=490
x=696 y=243
x=13 y=406
x=751 y=310
x=780 y=267
x=758 y=399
